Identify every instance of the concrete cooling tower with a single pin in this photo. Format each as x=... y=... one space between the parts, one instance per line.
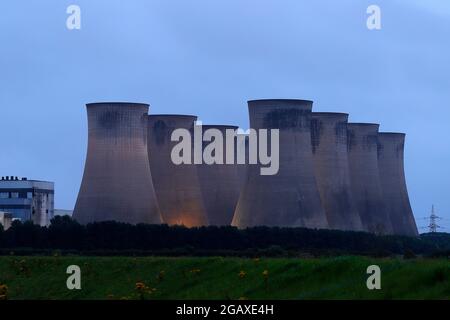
x=393 y=183
x=329 y=146
x=364 y=177
x=177 y=186
x=220 y=183
x=117 y=183
x=289 y=198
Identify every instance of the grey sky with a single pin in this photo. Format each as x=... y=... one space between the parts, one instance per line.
x=208 y=57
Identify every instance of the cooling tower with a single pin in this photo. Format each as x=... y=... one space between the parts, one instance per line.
x=117 y=183
x=289 y=198
x=393 y=183
x=177 y=186
x=329 y=146
x=220 y=183
x=364 y=178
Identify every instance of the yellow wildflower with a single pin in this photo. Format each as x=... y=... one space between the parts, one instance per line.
x=3 y=291
x=140 y=286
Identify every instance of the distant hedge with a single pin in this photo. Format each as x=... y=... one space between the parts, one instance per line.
x=114 y=238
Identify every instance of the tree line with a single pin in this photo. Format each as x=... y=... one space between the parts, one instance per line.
x=111 y=237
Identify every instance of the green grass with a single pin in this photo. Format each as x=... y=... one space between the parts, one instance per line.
x=218 y=278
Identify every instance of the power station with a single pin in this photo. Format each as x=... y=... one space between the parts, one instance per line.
x=330 y=174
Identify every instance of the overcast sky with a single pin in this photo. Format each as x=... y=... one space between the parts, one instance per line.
x=208 y=57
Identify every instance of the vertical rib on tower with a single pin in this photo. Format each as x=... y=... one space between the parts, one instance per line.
x=220 y=184
x=117 y=183
x=290 y=198
x=364 y=177
x=177 y=186
x=329 y=145
x=242 y=168
x=393 y=183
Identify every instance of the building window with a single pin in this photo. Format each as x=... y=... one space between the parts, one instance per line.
x=29 y=195
x=4 y=195
x=14 y=195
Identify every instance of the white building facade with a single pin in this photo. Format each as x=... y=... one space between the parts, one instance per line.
x=28 y=200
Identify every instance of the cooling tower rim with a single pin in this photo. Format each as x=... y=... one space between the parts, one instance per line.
x=393 y=134
x=256 y=101
x=179 y=116
x=363 y=124
x=117 y=103
x=220 y=126
x=330 y=114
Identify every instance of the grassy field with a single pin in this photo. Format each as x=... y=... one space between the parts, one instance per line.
x=223 y=278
